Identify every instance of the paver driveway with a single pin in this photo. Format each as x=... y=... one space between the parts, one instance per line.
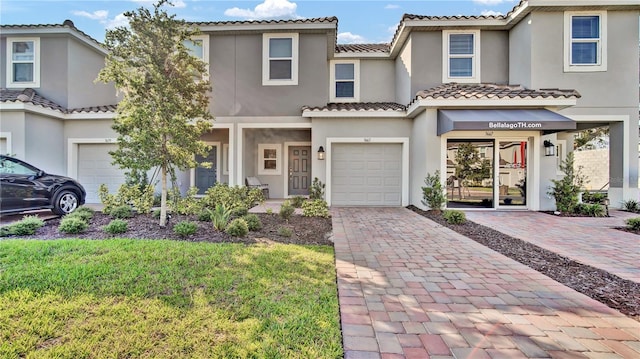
x=410 y=288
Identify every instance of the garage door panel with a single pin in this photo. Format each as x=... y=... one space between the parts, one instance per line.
x=95 y=168
x=366 y=174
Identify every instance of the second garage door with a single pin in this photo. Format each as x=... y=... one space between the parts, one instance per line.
x=366 y=174
x=95 y=168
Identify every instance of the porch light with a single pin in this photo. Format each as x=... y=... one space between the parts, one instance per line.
x=321 y=153
x=549 y=148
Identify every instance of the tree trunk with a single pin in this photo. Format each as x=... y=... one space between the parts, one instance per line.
x=163 y=200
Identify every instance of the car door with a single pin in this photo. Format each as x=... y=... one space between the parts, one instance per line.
x=20 y=189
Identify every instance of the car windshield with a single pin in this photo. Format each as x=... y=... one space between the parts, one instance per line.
x=8 y=166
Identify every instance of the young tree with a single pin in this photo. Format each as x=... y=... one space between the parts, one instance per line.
x=164 y=109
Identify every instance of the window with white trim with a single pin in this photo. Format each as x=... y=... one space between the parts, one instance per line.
x=280 y=59
x=23 y=62
x=585 y=41
x=461 y=56
x=345 y=81
x=198 y=46
x=269 y=159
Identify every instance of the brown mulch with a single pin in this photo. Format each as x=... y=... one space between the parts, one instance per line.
x=305 y=230
x=611 y=290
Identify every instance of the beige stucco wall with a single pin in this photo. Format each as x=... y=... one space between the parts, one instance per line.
x=595 y=166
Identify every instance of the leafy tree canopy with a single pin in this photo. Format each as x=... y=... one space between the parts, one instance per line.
x=165 y=106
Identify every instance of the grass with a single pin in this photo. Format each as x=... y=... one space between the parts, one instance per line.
x=166 y=299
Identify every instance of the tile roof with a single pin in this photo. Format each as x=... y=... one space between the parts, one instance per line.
x=318 y=20
x=32 y=97
x=382 y=48
x=66 y=24
x=491 y=91
x=357 y=106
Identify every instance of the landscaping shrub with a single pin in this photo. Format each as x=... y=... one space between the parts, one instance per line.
x=593 y=197
x=5 y=231
x=297 y=201
x=205 y=215
x=453 y=216
x=315 y=208
x=631 y=205
x=239 y=212
x=116 y=226
x=187 y=205
x=269 y=211
x=121 y=212
x=286 y=210
x=237 y=228
x=285 y=232
x=633 y=223
x=316 y=191
x=156 y=214
x=566 y=190
x=185 y=228
x=594 y=210
x=220 y=217
x=25 y=227
x=140 y=197
x=433 y=194
x=253 y=222
x=232 y=197
x=83 y=213
x=72 y=225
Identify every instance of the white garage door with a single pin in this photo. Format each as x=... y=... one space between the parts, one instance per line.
x=3 y=146
x=366 y=174
x=95 y=168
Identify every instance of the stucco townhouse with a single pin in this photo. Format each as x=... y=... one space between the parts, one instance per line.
x=369 y=120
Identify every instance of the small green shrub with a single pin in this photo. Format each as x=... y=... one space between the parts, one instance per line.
x=5 y=231
x=116 y=226
x=595 y=210
x=286 y=210
x=297 y=201
x=565 y=190
x=232 y=197
x=253 y=222
x=285 y=232
x=140 y=197
x=453 y=216
x=220 y=217
x=83 y=213
x=269 y=210
x=121 y=212
x=237 y=228
x=593 y=197
x=187 y=205
x=156 y=214
x=633 y=223
x=316 y=191
x=205 y=215
x=185 y=228
x=239 y=212
x=433 y=194
x=72 y=225
x=25 y=227
x=631 y=205
x=315 y=208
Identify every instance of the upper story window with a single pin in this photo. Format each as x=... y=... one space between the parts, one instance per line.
x=585 y=41
x=461 y=56
x=345 y=81
x=280 y=59
x=23 y=62
x=198 y=46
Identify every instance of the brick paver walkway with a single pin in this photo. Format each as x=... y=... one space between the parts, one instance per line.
x=590 y=241
x=409 y=288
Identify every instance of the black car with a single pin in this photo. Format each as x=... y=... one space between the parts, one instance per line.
x=24 y=187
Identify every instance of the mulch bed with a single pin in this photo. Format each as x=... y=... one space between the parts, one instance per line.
x=611 y=290
x=305 y=230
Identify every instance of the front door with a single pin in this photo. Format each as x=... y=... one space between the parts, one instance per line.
x=513 y=173
x=206 y=177
x=299 y=170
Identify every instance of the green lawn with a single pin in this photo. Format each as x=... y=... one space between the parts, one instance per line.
x=166 y=299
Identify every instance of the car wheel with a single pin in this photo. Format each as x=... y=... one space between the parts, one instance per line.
x=65 y=202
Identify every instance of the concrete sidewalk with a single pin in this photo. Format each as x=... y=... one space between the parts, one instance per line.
x=409 y=288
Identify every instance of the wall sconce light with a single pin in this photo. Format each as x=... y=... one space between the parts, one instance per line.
x=321 y=153
x=549 y=148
